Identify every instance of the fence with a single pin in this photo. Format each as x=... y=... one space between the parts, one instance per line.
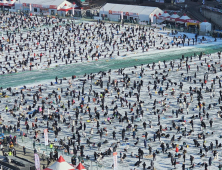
x=212 y=9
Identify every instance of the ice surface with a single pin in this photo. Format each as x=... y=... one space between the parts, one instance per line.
x=43 y=76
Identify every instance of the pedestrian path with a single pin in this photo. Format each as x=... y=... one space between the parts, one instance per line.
x=29 y=155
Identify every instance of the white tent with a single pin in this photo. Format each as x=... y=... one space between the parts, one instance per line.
x=184 y=17
x=49 y=6
x=174 y=16
x=163 y=17
x=60 y=164
x=165 y=14
x=130 y=12
x=205 y=26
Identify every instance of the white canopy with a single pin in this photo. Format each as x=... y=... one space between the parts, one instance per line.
x=175 y=15
x=165 y=14
x=184 y=17
x=60 y=164
x=205 y=26
x=141 y=13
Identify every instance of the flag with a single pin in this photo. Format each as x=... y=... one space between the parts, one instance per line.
x=151 y=17
x=46 y=136
x=115 y=160
x=103 y=13
x=30 y=7
x=73 y=12
x=37 y=162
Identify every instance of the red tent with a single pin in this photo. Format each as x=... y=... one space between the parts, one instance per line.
x=60 y=164
x=80 y=167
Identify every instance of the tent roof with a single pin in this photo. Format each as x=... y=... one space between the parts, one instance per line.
x=117 y=7
x=66 y=7
x=148 y=10
x=61 y=159
x=184 y=17
x=11 y=2
x=43 y=2
x=60 y=164
x=80 y=167
x=174 y=16
x=205 y=23
x=128 y=8
x=139 y=9
x=165 y=15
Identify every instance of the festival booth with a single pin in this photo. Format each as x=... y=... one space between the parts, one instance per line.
x=50 y=7
x=205 y=27
x=191 y=22
x=173 y=18
x=65 y=9
x=163 y=17
x=60 y=164
x=129 y=13
x=183 y=19
x=6 y=5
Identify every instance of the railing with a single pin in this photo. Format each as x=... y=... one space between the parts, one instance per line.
x=212 y=9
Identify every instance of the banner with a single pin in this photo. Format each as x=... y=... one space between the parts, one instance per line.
x=46 y=136
x=30 y=7
x=73 y=12
x=115 y=160
x=151 y=17
x=37 y=162
x=36 y=6
x=103 y=13
x=122 y=15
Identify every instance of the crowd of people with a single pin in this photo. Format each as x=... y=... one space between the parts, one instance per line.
x=169 y=110
x=33 y=42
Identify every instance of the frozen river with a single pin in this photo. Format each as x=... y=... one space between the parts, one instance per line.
x=78 y=69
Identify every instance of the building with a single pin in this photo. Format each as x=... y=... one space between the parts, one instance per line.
x=6 y=5
x=116 y=12
x=49 y=7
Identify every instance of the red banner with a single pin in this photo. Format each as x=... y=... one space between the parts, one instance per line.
x=52 y=6
x=36 y=5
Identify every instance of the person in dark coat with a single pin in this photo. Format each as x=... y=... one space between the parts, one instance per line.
x=144 y=165
x=27 y=127
x=205 y=166
x=183 y=166
x=175 y=163
x=210 y=161
x=24 y=150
